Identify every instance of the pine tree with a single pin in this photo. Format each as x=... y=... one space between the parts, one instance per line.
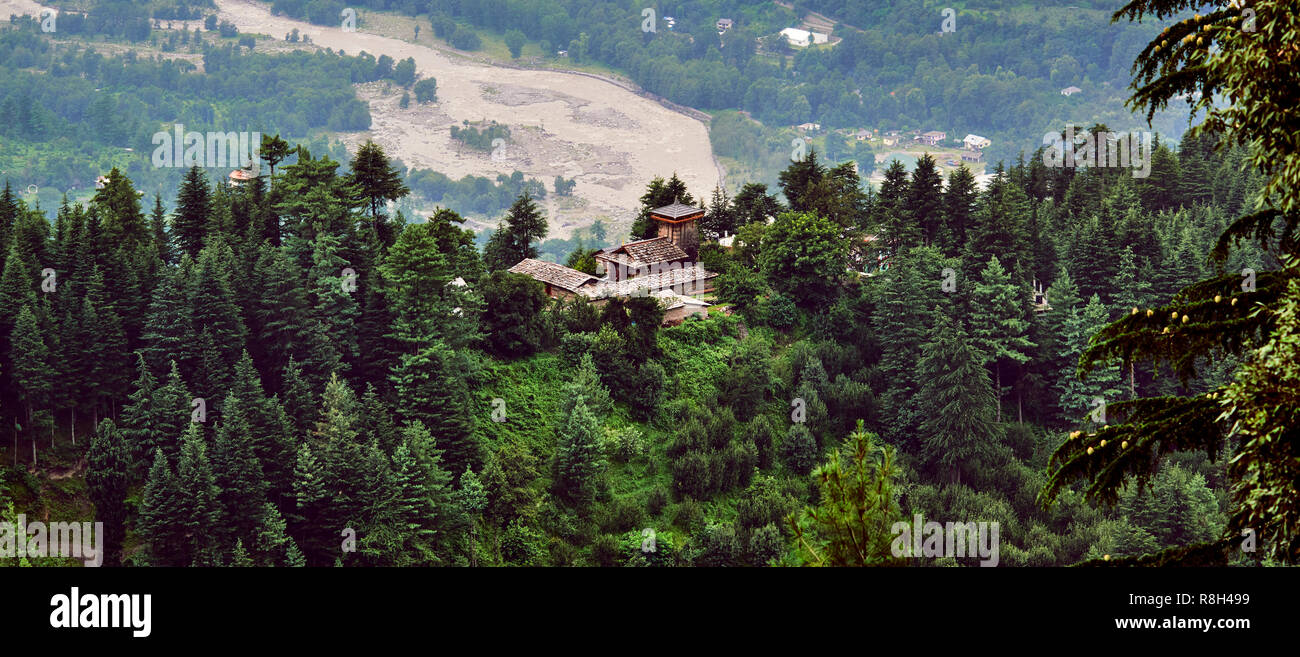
x=853 y=522
x=123 y=226
x=106 y=480
x=1000 y=228
x=925 y=198
x=138 y=420
x=378 y=182
x=192 y=218
x=720 y=219
x=586 y=384
x=159 y=523
x=472 y=500
x=524 y=224
x=958 y=206
x=199 y=507
x=238 y=472
x=1079 y=396
x=998 y=326
x=431 y=389
x=891 y=216
x=167 y=326
x=958 y=433
x=158 y=232
x=800 y=179
x=31 y=369
x=909 y=292
x=799 y=449
x=578 y=460
x=311 y=512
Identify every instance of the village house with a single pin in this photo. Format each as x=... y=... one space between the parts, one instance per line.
x=809 y=127
x=862 y=135
x=972 y=156
x=662 y=267
x=560 y=282
x=932 y=137
x=1070 y=91
x=621 y=260
x=724 y=24
x=975 y=142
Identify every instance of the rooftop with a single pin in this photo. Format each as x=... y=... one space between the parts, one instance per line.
x=676 y=211
x=685 y=279
x=557 y=275
x=645 y=252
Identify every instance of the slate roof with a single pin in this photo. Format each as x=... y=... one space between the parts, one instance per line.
x=645 y=252
x=685 y=279
x=676 y=211
x=557 y=275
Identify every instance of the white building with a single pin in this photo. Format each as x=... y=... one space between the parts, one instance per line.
x=803 y=38
x=976 y=142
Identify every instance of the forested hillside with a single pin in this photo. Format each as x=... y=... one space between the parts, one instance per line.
x=285 y=370
x=278 y=364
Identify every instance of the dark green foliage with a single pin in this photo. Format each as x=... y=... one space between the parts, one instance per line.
x=107 y=479
x=512 y=319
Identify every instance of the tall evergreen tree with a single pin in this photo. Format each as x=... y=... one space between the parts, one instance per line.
x=959 y=432
x=999 y=328
x=107 y=478
x=193 y=214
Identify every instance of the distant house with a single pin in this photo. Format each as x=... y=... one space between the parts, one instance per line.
x=672 y=22
x=803 y=38
x=972 y=156
x=890 y=141
x=1040 y=298
x=932 y=137
x=241 y=176
x=862 y=135
x=562 y=53
x=976 y=142
x=1070 y=91
x=869 y=256
x=809 y=127
x=724 y=24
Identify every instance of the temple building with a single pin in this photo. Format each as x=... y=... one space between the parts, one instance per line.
x=663 y=267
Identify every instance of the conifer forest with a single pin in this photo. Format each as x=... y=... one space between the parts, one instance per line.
x=603 y=283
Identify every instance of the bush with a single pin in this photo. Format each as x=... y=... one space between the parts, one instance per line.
x=604 y=550
x=574 y=346
x=624 y=445
x=656 y=501
x=646 y=395
x=426 y=91
x=515 y=41
x=465 y=39
x=765 y=544
x=799 y=450
x=688 y=516
x=692 y=476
